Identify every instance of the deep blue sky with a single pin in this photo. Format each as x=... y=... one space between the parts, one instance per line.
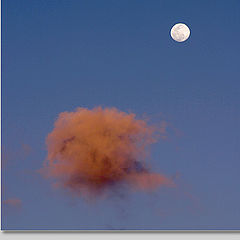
x=58 y=55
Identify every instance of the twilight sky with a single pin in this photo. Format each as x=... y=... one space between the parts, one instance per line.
x=59 y=55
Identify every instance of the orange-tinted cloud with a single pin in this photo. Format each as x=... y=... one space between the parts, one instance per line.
x=26 y=149
x=93 y=151
x=13 y=202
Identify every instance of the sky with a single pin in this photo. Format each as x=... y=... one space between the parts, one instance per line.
x=59 y=55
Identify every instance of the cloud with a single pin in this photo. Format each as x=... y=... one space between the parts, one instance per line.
x=94 y=151
x=13 y=202
x=26 y=149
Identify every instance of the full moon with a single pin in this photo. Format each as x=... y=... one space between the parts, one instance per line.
x=180 y=32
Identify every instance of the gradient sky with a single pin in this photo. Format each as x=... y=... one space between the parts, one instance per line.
x=61 y=54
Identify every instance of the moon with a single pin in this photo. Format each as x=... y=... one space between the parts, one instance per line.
x=180 y=32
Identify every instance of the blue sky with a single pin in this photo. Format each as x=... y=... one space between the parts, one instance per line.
x=59 y=55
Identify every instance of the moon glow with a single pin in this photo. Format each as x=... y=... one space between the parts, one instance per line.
x=180 y=32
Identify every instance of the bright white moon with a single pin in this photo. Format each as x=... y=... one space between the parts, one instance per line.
x=180 y=32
